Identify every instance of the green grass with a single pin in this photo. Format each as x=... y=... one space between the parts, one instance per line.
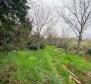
x=43 y=66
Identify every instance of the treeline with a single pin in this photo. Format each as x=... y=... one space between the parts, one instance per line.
x=16 y=25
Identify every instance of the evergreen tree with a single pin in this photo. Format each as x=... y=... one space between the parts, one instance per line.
x=12 y=13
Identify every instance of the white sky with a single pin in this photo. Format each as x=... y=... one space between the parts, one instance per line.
x=61 y=24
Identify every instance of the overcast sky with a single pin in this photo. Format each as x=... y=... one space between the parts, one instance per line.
x=60 y=25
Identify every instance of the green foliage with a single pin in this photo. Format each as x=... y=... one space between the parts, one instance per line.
x=44 y=66
x=89 y=51
x=31 y=46
x=12 y=14
x=12 y=11
x=32 y=43
x=6 y=41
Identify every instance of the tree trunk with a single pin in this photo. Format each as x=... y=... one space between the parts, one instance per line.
x=38 y=46
x=65 y=47
x=79 y=44
x=20 y=41
x=38 y=42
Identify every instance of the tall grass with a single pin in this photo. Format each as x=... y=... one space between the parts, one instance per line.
x=44 y=66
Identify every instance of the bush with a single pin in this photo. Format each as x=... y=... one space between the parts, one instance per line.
x=42 y=45
x=32 y=43
x=89 y=51
x=31 y=46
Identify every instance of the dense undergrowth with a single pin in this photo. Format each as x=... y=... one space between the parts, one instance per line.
x=40 y=67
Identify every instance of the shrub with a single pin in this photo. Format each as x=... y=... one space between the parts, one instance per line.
x=31 y=46
x=89 y=51
x=33 y=42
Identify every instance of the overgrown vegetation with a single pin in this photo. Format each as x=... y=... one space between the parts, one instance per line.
x=26 y=33
x=40 y=67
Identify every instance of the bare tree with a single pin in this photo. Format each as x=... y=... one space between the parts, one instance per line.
x=64 y=39
x=41 y=15
x=51 y=27
x=77 y=15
